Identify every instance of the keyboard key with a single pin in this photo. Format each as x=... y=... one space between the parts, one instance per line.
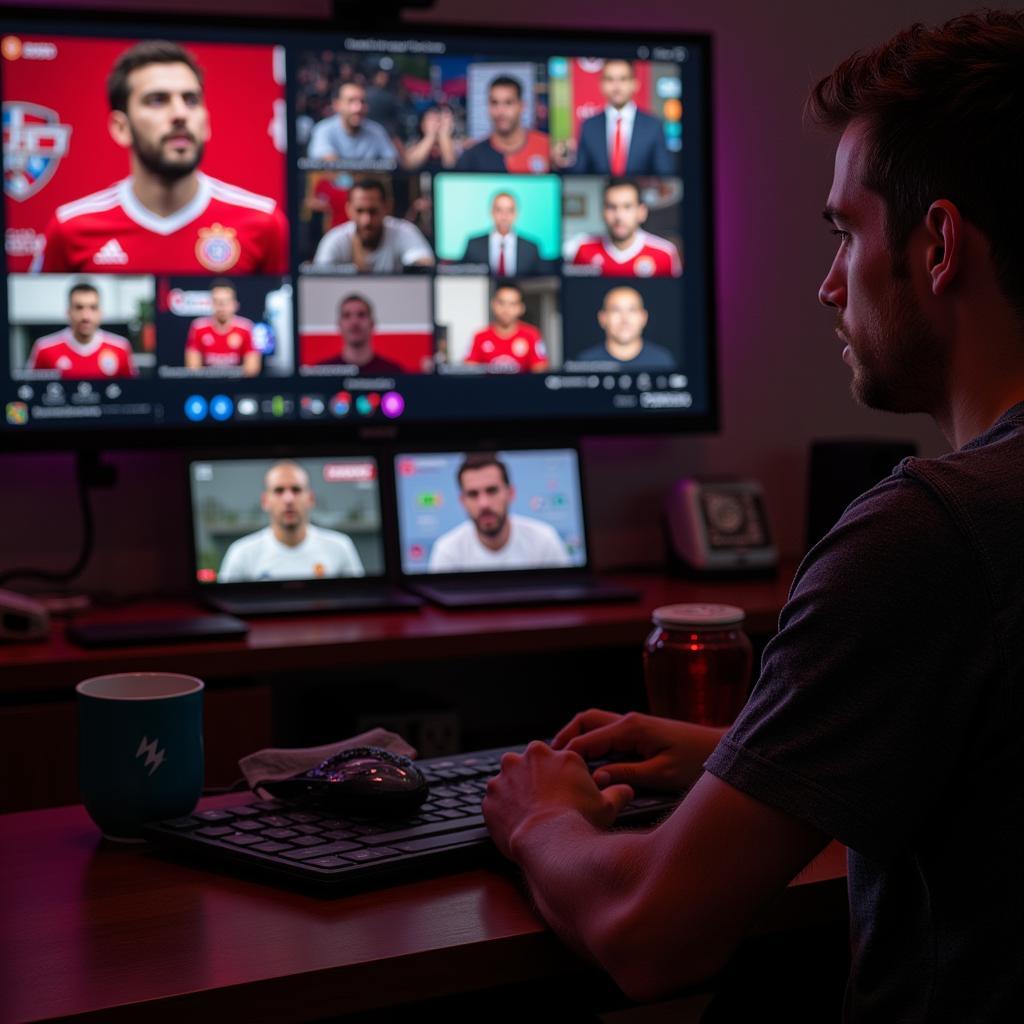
x=246 y=810
x=249 y=826
x=390 y=838
x=214 y=815
x=215 y=831
x=327 y=862
x=470 y=835
x=271 y=847
x=378 y=853
x=277 y=821
x=320 y=851
x=302 y=817
x=308 y=841
x=280 y=833
x=242 y=839
x=309 y=830
x=338 y=833
x=452 y=814
x=182 y=824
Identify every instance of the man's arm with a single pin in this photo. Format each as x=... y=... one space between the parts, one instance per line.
x=334 y=247
x=674 y=902
x=252 y=363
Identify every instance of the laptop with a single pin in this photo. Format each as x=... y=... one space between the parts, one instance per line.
x=496 y=528
x=271 y=536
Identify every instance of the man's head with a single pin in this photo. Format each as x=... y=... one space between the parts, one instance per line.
x=618 y=83
x=485 y=492
x=503 y=212
x=349 y=102
x=622 y=316
x=355 y=320
x=624 y=209
x=223 y=301
x=157 y=108
x=933 y=138
x=83 y=311
x=367 y=207
x=505 y=104
x=287 y=498
x=507 y=304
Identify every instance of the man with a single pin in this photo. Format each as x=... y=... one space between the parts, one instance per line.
x=223 y=339
x=510 y=147
x=888 y=711
x=83 y=350
x=372 y=240
x=350 y=135
x=623 y=317
x=621 y=140
x=507 y=344
x=356 y=323
x=166 y=216
x=291 y=547
x=504 y=250
x=493 y=537
x=628 y=250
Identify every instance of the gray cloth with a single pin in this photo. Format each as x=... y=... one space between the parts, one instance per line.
x=888 y=715
x=330 y=141
x=651 y=357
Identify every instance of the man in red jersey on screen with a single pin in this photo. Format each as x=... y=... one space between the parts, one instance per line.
x=83 y=350
x=224 y=338
x=166 y=216
x=627 y=250
x=507 y=344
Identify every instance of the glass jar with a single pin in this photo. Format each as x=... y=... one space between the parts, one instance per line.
x=697 y=663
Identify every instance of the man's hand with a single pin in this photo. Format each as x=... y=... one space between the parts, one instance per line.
x=671 y=753
x=540 y=784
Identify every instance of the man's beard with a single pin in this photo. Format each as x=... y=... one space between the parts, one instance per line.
x=899 y=363
x=492 y=531
x=153 y=159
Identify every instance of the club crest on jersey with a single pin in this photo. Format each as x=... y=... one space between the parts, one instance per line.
x=644 y=266
x=218 y=249
x=234 y=340
x=35 y=141
x=108 y=363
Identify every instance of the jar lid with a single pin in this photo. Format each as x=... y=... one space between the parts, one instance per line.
x=703 y=616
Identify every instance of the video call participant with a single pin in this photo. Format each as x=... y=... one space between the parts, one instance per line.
x=621 y=140
x=83 y=350
x=627 y=250
x=167 y=216
x=493 y=537
x=223 y=339
x=504 y=250
x=349 y=134
x=355 y=324
x=371 y=239
x=507 y=344
x=291 y=547
x=434 y=150
x=623 y=317
x=873 y=721
x=510 y=147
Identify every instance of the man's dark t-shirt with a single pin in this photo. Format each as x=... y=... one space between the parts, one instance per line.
x=378 y=366
x=889 y=714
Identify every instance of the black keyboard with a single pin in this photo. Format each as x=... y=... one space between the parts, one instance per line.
x=315 y=846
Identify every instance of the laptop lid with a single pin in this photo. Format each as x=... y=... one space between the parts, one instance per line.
x=285 y=524
x=508 y=511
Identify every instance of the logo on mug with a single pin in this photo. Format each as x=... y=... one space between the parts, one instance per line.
x=154 y=756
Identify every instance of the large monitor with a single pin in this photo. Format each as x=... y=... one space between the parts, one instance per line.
x=217 y=234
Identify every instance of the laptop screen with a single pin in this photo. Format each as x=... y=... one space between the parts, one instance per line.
x=273 y=520
x=490 y=511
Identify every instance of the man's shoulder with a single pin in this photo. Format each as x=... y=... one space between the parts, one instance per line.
x=456 y=536
x=91 y=205
x=334 y=538
x=249 y=542
x=534 y=528
x=594 y=122
x=375 y=129
x=115 y=340
x=234 y=195
x=49 y=340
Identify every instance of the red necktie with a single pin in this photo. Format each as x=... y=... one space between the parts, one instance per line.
x=501 y=258
x=618 y=150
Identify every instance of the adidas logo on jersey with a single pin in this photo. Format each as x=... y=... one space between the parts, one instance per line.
x=111 y=254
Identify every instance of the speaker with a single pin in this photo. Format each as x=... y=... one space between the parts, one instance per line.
x=840 y=471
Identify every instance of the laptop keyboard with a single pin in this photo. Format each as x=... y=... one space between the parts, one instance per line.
x=321 y=848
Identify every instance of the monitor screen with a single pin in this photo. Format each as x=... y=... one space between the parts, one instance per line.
x=273 y=520
x=213 y=231
x=489 y=511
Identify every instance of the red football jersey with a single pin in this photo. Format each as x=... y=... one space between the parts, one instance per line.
x=220 y=347
x=337 y=197
x=522 y=350
x=648 y=256
x=532 y=157
x=107 y=355
x=223 y=228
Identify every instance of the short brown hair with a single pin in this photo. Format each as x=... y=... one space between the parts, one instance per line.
x=480 y=460
x=149 y=51
x=944 y=108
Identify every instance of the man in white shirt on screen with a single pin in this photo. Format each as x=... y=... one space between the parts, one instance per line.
x=291 y=547
x=493 y=537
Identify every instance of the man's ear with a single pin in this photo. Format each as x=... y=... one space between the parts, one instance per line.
x=120 y=132
x=945 y=240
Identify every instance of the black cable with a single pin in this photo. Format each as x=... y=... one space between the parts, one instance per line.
x=88 y=472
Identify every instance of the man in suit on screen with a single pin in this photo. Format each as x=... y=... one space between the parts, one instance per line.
x=503 y=249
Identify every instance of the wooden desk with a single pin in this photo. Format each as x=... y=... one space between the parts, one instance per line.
x=247 y=679
x=95 y=929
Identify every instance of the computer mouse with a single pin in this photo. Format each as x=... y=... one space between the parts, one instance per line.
x=366 y=782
